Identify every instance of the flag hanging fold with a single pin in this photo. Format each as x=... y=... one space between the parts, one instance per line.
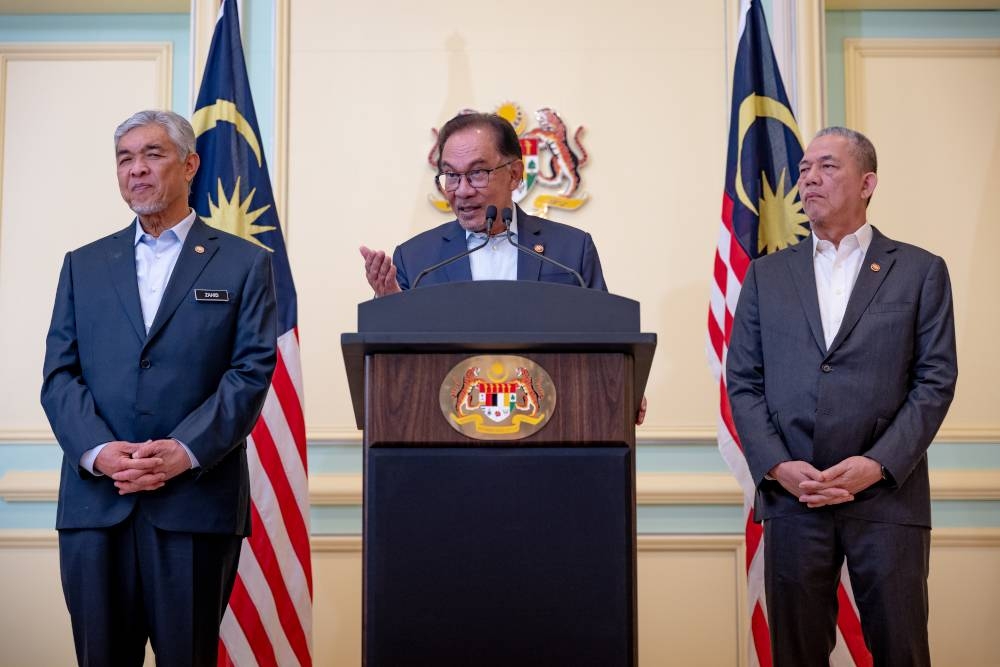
x=269 y=618
x=761 y=213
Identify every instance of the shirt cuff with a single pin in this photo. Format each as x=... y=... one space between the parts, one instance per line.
x=194 y=459
x=88 y=458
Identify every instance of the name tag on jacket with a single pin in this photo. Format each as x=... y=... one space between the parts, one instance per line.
x=211 y=295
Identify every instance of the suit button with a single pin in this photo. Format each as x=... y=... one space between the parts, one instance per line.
x=826 y=368
x=144 y=364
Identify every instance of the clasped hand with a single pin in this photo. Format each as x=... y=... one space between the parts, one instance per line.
x=142 y=466
x=837 y=484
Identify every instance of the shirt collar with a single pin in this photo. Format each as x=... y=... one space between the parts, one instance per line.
x=180 y=230
x=863 y=235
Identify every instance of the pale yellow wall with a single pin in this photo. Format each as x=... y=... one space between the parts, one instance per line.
x=59 y=105
x=690 y=593
x=932 y=109
x=368 y=81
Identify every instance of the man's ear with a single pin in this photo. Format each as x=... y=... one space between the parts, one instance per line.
x=191 y=164
x=868 y=184
x=516 y=174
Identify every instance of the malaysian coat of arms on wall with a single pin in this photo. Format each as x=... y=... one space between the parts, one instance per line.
x=552 y=161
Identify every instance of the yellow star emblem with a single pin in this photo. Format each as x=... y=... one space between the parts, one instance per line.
x=781 y=216
x=234 y=216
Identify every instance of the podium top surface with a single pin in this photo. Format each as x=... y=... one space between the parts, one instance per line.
x=501 y=316
x=499 y=306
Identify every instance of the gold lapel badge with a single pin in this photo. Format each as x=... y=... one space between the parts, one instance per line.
x=875 y=267
x=200 y=249
x=539 y=248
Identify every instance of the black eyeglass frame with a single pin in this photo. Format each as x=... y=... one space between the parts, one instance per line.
x=468 y=175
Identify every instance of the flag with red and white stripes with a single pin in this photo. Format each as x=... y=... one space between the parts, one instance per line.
x=761 y=213
x=269 y=619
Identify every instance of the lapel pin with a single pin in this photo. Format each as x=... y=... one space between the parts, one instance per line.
x=875 y=267
x=539 y=248
x=200 y=249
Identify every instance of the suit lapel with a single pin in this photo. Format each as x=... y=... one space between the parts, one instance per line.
x=868 y=282
x=452 y=243
x=121 y=262
x=189 y=266
x=530 y=233
x=800 y=261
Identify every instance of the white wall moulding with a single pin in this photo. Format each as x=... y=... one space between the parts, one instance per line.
x=159 y=53
x=204 y=14
x=966 y=537
x=22 y=486
x=28 y=539
x=810 y=66
x=279 y=172
x=644 y=434
x=347 y=434
x=94 y=7
x=910 y=5
x=860 y=53
x=651 y=488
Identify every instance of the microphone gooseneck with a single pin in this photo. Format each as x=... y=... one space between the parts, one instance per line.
x=491 y=216
x=508 y=216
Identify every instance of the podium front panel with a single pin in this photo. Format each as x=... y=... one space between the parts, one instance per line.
x=594 y=390
x=499 y=556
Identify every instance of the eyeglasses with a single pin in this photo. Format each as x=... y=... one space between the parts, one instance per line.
x=450 y=181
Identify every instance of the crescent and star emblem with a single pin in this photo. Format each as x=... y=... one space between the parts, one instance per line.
x=229 y=213
x=779 y=210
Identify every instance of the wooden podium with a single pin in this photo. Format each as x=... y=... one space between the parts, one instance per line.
x=512 y=552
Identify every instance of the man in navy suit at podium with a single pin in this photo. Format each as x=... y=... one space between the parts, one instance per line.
x=479 y=165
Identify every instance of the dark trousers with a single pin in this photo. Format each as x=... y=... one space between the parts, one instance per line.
x=132 y=582
x=888 y=566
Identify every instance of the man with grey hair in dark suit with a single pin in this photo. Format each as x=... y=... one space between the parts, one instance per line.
x=157 y=363
x=841 y=369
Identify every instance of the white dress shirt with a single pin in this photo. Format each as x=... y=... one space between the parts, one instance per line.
x=155 y=258
x=837 y=270
x=498 y=260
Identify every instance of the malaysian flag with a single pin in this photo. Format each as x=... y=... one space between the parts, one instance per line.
x=761 y=213
x=269 y=619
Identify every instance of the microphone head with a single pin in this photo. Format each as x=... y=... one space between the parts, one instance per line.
x=507 y=215
x=491 y=213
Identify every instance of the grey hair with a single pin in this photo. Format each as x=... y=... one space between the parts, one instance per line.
x=861 y=146
x=178 y=129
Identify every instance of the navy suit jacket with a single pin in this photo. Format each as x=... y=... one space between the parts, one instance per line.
x=881 y=390
x=200 y=376
x=567 y=245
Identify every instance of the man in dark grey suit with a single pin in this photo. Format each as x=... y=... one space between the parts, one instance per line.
x=841 y=369
x=157 y=363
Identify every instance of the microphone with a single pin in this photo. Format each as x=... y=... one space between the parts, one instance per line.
x=508 y=217
x=491 y=216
